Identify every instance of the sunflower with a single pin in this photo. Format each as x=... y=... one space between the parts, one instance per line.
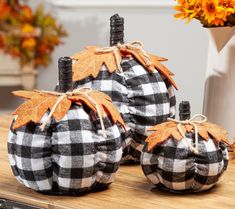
x=210 y=10
x=227 y=3
x=218 y=22
x=225 y=8
x=188 y=9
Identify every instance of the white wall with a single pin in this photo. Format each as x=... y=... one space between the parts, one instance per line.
x=184 y=45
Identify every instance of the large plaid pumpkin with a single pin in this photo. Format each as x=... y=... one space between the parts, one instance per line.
x=143 y=99
x=171 y=164
x=70 y=156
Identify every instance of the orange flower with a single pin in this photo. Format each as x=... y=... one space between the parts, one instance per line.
x=43 y=48
x=210 y=10
x=15 y=51
x=188 y=9
x=181 y=7
x=27 y=28
x=29 y=43
x=218 y=22
x=55 y=40
x=227 y=3
x=4 y=9
x=27 y=13
x=225 y=8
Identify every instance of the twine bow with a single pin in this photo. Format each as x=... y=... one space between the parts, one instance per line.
x=192 y=121
x=81 y=91
x=134 y=45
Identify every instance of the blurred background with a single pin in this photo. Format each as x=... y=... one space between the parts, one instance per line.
x=152 y=22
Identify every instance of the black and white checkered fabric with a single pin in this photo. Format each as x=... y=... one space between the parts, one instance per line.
x=144 y=99
x=68 y=157
x=173 y=166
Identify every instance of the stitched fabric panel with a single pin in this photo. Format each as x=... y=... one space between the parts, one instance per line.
x=144 y=99
x=173 y=166
x=68 y=157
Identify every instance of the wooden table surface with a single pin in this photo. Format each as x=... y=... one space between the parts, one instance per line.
x=130 y=190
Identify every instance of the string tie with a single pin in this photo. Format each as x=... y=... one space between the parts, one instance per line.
x=76 y=92
x=134 y=45
x=194 y=121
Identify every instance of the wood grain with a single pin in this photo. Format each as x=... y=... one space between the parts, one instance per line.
x=130 y=190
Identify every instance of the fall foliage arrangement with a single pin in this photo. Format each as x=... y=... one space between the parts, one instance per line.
x=211 y=13
x=186 y=155
x=66 y=142
x=137 y=81
x=30 y=35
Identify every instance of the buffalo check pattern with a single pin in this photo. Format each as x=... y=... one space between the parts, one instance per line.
x=69 y=157
x=173 y=166
x=144 y=99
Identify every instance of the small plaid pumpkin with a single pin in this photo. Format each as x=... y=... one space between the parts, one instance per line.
x=171 y=161
x=70 y=156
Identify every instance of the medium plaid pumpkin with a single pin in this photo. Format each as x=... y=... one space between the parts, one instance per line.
x=69 y=157
x=173 y=166
x=143 y=99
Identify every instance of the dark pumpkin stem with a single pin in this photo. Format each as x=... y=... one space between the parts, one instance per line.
x=184 y=110
x=65 y=74
x=116 y=30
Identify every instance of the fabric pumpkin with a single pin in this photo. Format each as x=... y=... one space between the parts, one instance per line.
x=143 y=94
x=169 y=162
x=70 y=156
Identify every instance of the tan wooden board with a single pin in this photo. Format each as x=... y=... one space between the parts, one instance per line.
x=130 y=190
x=12 y=74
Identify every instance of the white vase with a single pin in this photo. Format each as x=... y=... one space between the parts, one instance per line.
x=219 y=97
x=220 y=36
